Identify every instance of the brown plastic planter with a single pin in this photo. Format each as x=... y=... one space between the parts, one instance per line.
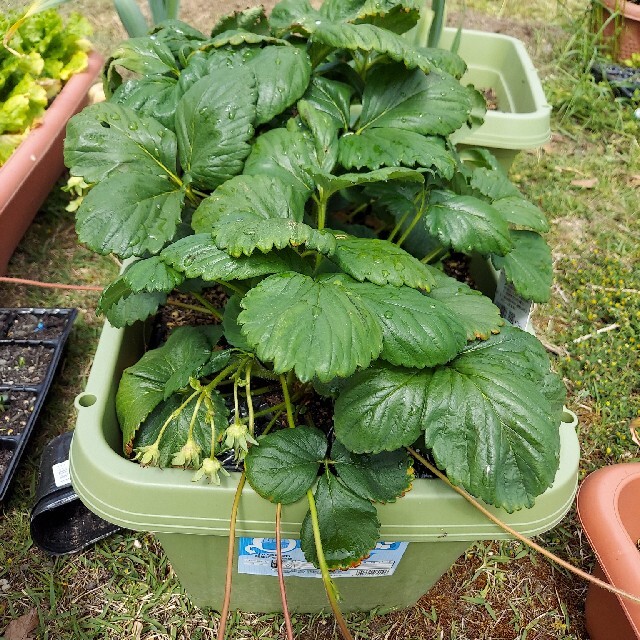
x=609 y=509
x=27 y=177
x=622 y=31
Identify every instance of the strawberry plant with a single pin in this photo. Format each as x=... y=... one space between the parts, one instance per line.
x=301 y=163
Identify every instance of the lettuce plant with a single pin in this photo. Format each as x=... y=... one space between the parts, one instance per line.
x=45 y=52
x=301 y=162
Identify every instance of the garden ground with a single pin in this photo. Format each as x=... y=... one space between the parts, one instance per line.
x=587 y=179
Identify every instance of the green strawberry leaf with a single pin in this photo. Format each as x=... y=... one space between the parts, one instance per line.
x=253 y=19
x=106 y=138
x=528 y=266
x=395 y=15
x=122 y=307
x=417 y=330
x=485 y=412
x=477 y=314
x=380 y=478
x=258 y=212
x=244 y=234
x=287 y=155
x=381 y=409
x=152 y=274
x=493 y=184
x=331 y=184
x=521 y=213
x=467 y=224
x=368 y=38
x=232 y=331
x=197 y=256
x=151 y=96
x=214 y=124
x=380 y=262
x=374 y=148
x=319 y=327
x=429 y=104
x=505 y=197
x=260 y=196
x=282 y=76
x=330 y=97
x=349 y=526
x=130 y=214
x=144 y=56
x=158 y=374
x=324 y=130
x=239 y=37
x=285 y=464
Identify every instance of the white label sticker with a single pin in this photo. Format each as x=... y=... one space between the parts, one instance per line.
x=61 y=475
x=257 y=556
x=513 y=308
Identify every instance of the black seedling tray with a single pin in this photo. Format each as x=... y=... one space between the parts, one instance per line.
x=31 y=344
x=624 y=81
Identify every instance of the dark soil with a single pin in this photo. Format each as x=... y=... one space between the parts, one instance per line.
x=24 y=365
x=5 y=459
x=5 y=321
x=170 y=317
x=456 y=265
x=491 y=99
x=41 y=326
x=17 y=407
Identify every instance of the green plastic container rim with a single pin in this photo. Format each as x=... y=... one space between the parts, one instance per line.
x=167 y=501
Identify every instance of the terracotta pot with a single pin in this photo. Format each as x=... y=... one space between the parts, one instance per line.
x=33 y=168
x=609 y=509
x=624 y=31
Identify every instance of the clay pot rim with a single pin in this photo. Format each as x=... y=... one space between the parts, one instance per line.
x=627 y=9
x=615 y=550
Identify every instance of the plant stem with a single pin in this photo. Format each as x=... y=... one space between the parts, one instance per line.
x=195 y=416
x=332 y=593
x=172 y=416
x=190 y=307
x=398 y=226
x=276 y=407
x=356 y=211
x=527 y=541
x=287 y=402
x=283 y=590
x=249 y=398
x=207 y=305
x=231 y=287
x=414 y=222
x=271 y=423
x=230 y=553
x=221 y=376
x=212 y=424
x=432 y=255
x=321 y=203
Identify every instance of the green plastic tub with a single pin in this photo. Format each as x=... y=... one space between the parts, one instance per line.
x=501 y=63
x=191 y=520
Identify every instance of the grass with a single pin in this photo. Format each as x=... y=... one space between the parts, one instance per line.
x=587 y=179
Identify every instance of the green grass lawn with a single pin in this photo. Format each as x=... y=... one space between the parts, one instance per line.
x=587 y=180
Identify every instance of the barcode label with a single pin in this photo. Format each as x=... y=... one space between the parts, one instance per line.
x=513 y=308
x=61 y=475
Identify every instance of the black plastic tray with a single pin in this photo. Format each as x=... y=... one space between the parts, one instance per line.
x=26 y=333
x=624 y=81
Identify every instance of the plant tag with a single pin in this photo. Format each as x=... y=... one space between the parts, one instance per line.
x=61 y=475
x=513 y=308
x=257 y=556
